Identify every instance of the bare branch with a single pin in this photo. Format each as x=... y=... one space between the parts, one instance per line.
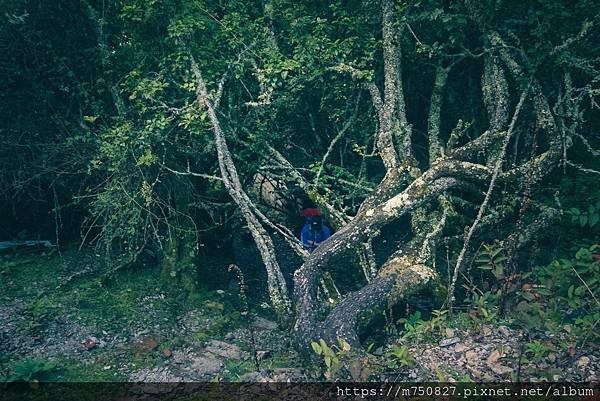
x=191 y=173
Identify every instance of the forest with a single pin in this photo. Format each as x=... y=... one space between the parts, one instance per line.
x=277 y=190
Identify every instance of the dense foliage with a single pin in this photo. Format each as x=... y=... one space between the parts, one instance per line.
x=108 y=140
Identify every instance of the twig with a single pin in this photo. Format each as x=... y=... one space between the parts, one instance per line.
x=188 y=172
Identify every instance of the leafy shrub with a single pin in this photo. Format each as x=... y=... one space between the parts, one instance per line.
x=563 y=292
x=587 y=217
x=31 y=370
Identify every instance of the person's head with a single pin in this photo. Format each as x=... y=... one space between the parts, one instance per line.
x=314 y=221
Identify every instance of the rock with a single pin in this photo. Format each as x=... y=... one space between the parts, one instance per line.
x=263 y=324
x=223 y=349
x=582 y=362
x=487 y=331
x=251 y=377
x=178 y=357
x=286 y=375
x=494 y=356
x=500 y=369
x=262 y=354
x=156 y=377
x=449 y=341
x=205 y=365
x=504 y=331
x=472 y=357
x=460 y=348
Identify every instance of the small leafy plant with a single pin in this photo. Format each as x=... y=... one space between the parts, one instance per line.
x=399 y=356
x=565 y=291
x=492 y=258
x=31 y=370
x=38 y=311
x=485 y=306
x=537 y=350
x=589 y=217
x=332 y=356
x=415 y=327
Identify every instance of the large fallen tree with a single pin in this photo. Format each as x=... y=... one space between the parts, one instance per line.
x=427 y=189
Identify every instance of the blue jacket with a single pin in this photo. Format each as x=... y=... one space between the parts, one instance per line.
x=313 y=234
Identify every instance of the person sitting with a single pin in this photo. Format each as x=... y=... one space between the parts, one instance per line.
x=314 y=231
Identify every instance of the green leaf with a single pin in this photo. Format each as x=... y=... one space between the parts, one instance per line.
x=499 y=272
x=326 y=350
x=496 y=252
x=316 y=347
x=570 y=291
x=593 y=219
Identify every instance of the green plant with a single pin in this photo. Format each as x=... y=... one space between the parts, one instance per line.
x=415 y=327
x=237 y=369
x=331 y=355
x=412 y=325
x=537 y=350
x=399 y=356
x=492 y=258
x=31 y=370
x=485 y=306
x=565 y=292
x=589 y=217
x=37 y=311
x=438 y=320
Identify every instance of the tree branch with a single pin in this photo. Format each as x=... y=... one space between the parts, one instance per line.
x=275 y=280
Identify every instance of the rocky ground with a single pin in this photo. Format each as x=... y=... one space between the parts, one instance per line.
x=251 y=348
x=499 y=354
x=129 y=333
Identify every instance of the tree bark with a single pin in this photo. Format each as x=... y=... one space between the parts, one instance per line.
x=276 y=285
